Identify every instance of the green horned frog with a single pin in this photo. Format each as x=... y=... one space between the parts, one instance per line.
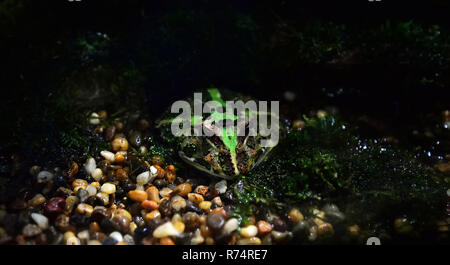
x=227 y=136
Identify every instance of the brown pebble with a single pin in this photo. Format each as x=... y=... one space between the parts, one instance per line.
x=263 y=227
x=138 y=195
x=182 y=189
x=153 y=194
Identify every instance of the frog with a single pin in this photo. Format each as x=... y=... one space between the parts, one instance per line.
x=226 y=152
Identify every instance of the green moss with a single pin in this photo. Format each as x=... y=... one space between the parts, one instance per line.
x=326 y=161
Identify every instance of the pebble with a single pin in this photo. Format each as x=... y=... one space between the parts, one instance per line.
x=198 y=238
x=195 y=198
x=83 y=235
x=249 y=241
x=165 y=230
x=202 y=190
x=153 y=171
x=149 y=205
x=90 y=165
x=191 y=221
x=74 y=241
x=97 y=174
x=91 y=190
x=103 y=198
x=94 y=118
x=353 y=231
x=109 y=241
x=215 y=221
x=34 y=170
x=249 y=231
x=180 y=226
x=79 y=184
x=109 y=156
x=138 y=195
x=280 y=236
x=54 y=207
x=153 y=194
x=94 y=243
x=231 y=225
x=119 y=157
x=83 y=194
x=84 y=209
x=183 y=189
x=217 y=201
x=31 y=230
x=40 y=220
x=37 y=200
x=117 y=236
x=325 y=229
x=177 y=203
x=119 y=144
x=221 y=186
x=263 y=227
x=108 y=188
x=44 y=177
x=109 y=133
x=152 y=215
x=160 y=172
x=71 y=201
x=143 y=178
x=165 y=192
x=72 y=171
x=205 y=205
x=295 y=215
x=128 y=239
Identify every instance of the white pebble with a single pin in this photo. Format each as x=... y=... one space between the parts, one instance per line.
x=177 y=203
x=128 y=239
x=117 y=236
x=448 y=192
x=249 y=231
x=44 y=176
x=94 y=242
x=92 y=190
x=108 y=188
x=90 y=165
x=97 y=174
x=40 y=220
x=108 y=156
x=198 y=238
x=231 y=225
x=139 y=187
x=165 y=230
x=83 y=235
x=221 y=186
x=94 y=119
x=143 y=178
x=153 y=171
x=143 y=149
x=73 y=241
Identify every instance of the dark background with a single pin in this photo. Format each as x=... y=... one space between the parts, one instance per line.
x=348 y=54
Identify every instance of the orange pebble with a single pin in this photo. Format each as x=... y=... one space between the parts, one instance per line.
x=153 y=194
x=119 y=158
x=138 y=195
x=221 y=211
x=149 y=205
x=152 y=215
x=160 y=172
x=263 y=227
x=167 y=241
x=202 y=190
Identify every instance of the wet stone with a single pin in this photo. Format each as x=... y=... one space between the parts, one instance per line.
x=215 y=221
x=83 y=195
x=141 y=232
x=80 y=221
x=31 y=230
x=109 y=241
x=99 y=214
